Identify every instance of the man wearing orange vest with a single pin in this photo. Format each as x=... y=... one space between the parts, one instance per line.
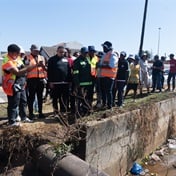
x=108 y=71
x=35 y=81
x=13 y=84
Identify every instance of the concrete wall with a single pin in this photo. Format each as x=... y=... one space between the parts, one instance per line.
x=114 y=143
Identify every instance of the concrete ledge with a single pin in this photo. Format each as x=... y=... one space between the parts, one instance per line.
x=114 y=143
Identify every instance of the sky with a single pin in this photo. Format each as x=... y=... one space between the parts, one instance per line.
x=90 y=22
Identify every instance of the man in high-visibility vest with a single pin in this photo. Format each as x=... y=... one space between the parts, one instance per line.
x=82 y=79
x=108 y=71
x=13 y=84
x=36 y=80
x=93 y=59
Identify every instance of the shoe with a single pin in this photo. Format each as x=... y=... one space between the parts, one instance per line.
x=56 y=114
x=18 y=119
x=41 y=116
x=27 y=120
x=31 y=116
x=98 y=105
x=15 y=124
x=167 y=90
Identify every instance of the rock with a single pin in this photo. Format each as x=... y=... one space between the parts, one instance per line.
x=155 y=157
x=174 y=165
x=172 y=146
x=146 y=170
x=160 y=152
x=142 y=173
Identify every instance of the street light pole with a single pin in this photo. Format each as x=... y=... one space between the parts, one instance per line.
x=143 y=28
x=159 y=29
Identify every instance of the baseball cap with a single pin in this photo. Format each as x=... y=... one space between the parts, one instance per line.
x=123 y=53
x=107 y=44
x=34 y=47
x=84 y=50
x=91 y=48
x=131 y=56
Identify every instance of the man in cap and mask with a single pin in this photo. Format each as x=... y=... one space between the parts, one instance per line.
x=122 y=77
x=108 y=71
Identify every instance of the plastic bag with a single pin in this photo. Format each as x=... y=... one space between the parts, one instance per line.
x=136 y=169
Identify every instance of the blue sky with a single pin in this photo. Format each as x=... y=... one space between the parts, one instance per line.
x=90 y=22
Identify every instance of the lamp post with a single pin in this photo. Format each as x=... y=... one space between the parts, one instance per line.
x=159 y=29
x=143 y=28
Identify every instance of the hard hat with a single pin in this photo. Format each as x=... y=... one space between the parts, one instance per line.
x=21 y=50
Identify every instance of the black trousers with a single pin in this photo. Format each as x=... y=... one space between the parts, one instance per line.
x=120 y=89
x=171 y=76
x=16 y=105
x=61 y=92
x=35 y=86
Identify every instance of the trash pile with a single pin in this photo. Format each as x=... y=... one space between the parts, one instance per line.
x=159 y=163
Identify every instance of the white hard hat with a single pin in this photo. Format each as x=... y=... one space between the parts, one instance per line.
x=21 y=49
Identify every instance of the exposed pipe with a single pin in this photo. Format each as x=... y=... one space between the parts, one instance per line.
x=68 y=165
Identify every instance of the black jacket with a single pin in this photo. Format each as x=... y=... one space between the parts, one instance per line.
x=58 y=69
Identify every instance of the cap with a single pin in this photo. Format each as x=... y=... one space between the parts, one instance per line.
x=144 y=54
x=100 y=54
x=34 y=47
x=136 y=57
x=91 y=48
x=84 y=50
x=108 y=45
x=123 y=53
x=131 y=56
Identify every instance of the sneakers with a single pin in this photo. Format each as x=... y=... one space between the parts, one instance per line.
x=18 y=119
x=27 y=120
x=15 y=124
x=31 y=116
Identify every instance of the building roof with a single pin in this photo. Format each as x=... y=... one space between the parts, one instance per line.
x=51 y=51
x=71 y=45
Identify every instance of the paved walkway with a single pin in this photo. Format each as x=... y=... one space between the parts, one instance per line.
x=3 y=97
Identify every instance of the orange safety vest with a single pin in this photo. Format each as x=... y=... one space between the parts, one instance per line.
x=37 y=72
x=108 y=72
x=8 y=79
x=93 y=63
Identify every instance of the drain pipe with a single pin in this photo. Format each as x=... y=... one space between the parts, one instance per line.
x=68 y=165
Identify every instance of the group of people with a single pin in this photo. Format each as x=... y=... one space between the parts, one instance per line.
x=72 y=81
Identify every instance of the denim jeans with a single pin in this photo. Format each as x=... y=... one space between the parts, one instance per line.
x=17 y=104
